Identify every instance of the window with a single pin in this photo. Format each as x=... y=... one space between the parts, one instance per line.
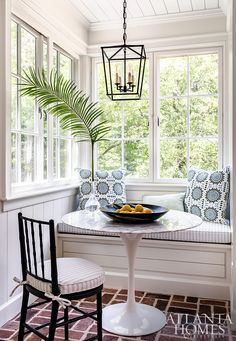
x=189 y=119
x=185 y=118
x=128 y=144
x=24 y=123
x=62 y=141
x=40 y=151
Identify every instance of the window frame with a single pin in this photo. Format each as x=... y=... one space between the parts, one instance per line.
x=98 y=60
x=49 y=182
x=188 y=52
x=154 y=112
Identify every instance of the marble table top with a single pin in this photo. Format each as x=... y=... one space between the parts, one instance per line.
x=171 y=221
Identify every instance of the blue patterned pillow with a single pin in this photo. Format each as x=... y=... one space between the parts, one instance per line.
x=207 y=194
x=109 y=187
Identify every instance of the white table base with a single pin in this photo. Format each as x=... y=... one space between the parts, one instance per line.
x=143 y=320
x=131 y=318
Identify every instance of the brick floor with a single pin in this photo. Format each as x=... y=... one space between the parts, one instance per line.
x=172 y=305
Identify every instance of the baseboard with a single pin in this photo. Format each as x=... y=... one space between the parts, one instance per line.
x=12 y=308
x=170 y=286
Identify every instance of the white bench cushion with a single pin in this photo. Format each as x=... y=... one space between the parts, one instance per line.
x=205 y=233
x=74 y=275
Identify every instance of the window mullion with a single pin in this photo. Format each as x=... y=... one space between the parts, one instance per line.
x=39 y=120
x=156 y=118
x=50 y=118
x=188 y=115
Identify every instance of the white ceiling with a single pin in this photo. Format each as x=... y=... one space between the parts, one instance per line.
x=99 y=11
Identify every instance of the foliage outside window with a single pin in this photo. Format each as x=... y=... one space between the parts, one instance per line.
x=189 y=118
x=40 y=151
x=129 y=138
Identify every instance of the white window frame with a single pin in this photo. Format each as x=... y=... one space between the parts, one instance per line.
x=154 y=112
x=46 y=184
x=176 y=53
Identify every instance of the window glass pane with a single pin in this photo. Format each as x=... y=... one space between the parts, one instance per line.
x=13 y=103
x=113 y=115
x=28 y=42
x=173 y=76
x=204 y=116
x=13 y=47
x=45 y=157
x=27 y=113
x=173 y=155
x=204 y=73
x=55 y=56
x=136 y=119
x=190 y=112
x=65 y=66
x=27 y=158
x=109 y=155
x=64 y=158
x=136 y=158
x=173 y=117
x=146 y=81
x=13 y=158
x=101 y=88
x=55 y=158
x=204 y=154
x=45 y=56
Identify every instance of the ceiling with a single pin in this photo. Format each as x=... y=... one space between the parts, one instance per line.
x=100 y=11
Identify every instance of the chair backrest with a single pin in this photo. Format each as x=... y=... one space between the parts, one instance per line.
x=32 y=234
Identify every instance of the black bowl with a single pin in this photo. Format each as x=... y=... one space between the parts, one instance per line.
x=110 y=211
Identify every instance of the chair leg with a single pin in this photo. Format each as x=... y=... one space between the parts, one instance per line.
x=66 y=325
x=99 y=316
x=23 y=314
x=52 y=327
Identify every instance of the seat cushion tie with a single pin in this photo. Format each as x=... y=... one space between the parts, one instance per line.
x=63 y=302
x=20 y=283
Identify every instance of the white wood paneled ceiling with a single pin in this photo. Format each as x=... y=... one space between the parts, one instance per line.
x=99 y=11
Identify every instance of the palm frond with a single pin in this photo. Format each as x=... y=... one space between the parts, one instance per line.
x=62 y=99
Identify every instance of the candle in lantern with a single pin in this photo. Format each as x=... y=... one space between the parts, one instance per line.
x=117 y=77
x=129 y=77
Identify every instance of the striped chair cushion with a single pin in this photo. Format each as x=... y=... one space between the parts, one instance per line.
x=205 y=233
x=74 y=275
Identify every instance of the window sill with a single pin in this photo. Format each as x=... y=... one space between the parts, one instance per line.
x=32 y=197
x=48 y=193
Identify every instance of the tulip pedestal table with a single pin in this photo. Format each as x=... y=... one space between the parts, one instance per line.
x=131 y=318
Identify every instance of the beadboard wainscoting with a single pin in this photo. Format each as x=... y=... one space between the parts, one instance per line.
x=9 y=245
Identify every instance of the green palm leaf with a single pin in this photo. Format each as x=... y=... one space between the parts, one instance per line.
x=62 y=99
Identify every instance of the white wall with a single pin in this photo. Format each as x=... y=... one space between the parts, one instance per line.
x=146 y=32
x=57 y=18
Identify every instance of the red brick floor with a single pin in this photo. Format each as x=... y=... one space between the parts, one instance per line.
x=172 y=305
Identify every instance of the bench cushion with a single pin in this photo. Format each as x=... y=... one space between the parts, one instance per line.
x=205 y=233
x=171 y=201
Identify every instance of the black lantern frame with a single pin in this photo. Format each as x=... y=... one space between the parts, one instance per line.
x=123 y=86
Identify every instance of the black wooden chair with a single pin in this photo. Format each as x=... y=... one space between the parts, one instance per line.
x=56 y=280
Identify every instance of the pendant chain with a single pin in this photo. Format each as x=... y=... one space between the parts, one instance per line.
x=124 y=23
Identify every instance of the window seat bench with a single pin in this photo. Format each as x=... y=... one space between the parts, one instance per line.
x=195 y=262
x=205 y=233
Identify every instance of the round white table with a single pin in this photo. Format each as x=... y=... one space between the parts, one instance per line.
x=132 y=318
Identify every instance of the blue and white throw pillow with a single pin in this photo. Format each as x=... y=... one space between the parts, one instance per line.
x=207 y=194
x=109 y=187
